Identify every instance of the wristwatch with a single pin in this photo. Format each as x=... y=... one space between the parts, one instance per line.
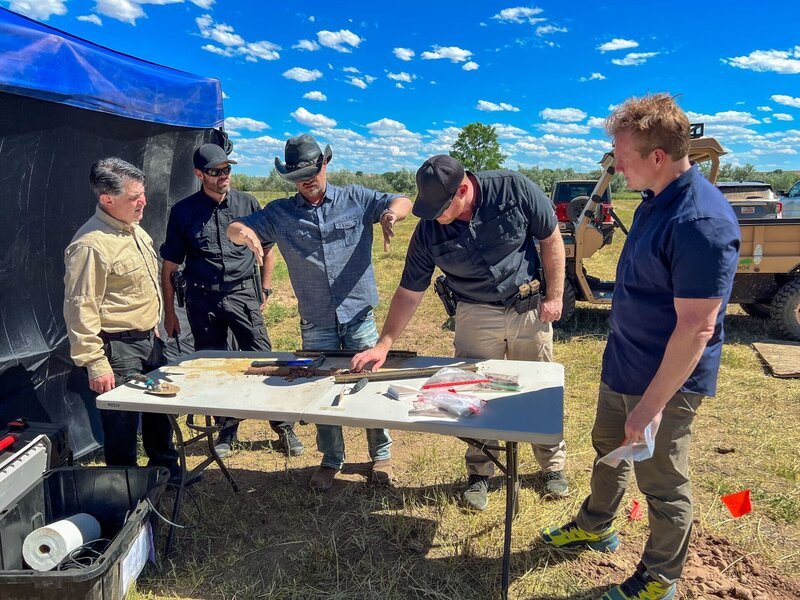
x=387 y=211
x=267 y=292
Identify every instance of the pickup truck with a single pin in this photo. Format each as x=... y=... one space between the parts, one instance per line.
x=569 y=198
x=791 y=202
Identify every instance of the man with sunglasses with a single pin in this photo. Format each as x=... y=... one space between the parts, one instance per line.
x=222 y=293
x=324 y=233
x=481 y=229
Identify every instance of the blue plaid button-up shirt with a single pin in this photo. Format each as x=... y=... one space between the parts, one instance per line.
x=327 y=248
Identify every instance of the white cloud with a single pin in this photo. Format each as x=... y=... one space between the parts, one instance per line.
x=548 y=29
x=596 y=122
x=305 y=117
x=452 y=53
x=225 y=96
x=783 y=117
x=766 y=120
x=301 y=74
x=315 y=95
x=765 y=108
x=39 y=9
x=350 y=70
x=403 y=53
x=786 y=100
x=520 y=14
x=309 y=45
x=223 y=34
x=726 y=117
x=399 y=86
x=388 y=127
x=339 y=40
x=470 y=66
x=634 y=59
x=564 y=128
x=91 y=19
x=203 y=3
x=785 y=62
x=507 y=131
x=246 y=123
x=487 y=106
x=593 y=77
x=617 y=44
x=564 y=115
x=402 y=76
x=361 y=82
x=126 y=11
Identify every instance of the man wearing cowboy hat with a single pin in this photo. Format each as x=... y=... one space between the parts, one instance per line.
x=324 y=233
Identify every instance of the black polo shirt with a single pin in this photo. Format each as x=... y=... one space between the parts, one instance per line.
x=196 y=234
x=488 y=258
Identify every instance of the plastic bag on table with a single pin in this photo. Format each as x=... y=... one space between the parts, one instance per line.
x=631 y=451
x=452 y=377
x=502 y=381
x=451 y=403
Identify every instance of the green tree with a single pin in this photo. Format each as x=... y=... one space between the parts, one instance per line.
x=477 y=148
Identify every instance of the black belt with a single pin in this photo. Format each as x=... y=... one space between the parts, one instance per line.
x=131 y=334
x=222 y=287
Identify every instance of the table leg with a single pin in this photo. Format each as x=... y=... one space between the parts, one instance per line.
x=176 y=509
x=512 y=508
x=212 y=449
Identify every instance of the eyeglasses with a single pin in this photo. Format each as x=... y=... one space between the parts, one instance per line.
x=212 y=172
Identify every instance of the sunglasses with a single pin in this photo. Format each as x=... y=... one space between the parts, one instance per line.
x=212 y=172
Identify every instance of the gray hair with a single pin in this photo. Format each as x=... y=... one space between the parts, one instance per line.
x=110 y=175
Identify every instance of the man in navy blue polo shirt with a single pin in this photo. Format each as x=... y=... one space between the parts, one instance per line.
x=674 y=279
x=324 y=233
x=222 y=294
x=481 y=230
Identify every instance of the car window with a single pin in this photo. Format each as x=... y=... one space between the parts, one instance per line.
x=795 y=191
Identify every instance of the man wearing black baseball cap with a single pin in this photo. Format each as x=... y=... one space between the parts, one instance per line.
x=223 y=292
x=481 y=229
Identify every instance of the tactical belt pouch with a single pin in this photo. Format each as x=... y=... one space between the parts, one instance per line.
x=527 y=299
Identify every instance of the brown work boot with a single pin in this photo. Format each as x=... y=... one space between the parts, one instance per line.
x=322 y=479
x=382 y=472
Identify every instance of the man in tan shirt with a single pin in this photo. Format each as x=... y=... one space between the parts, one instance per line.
x=112 y=307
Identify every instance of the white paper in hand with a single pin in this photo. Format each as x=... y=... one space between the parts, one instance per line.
x=633 y=451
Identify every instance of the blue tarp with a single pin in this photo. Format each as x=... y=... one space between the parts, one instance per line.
x=42 y=62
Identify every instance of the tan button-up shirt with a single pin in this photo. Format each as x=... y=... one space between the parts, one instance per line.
x=111 y=284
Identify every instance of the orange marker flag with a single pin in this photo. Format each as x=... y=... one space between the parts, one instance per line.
x=635 y=511
x=738 y=503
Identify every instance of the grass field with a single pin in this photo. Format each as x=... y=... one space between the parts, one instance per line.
x=275 y=539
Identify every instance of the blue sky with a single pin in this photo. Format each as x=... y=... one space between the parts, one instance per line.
x=389 y=84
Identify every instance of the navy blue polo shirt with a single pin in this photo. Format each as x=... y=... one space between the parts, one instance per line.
x=196 y=234
x=489 y=257
x=684 y=243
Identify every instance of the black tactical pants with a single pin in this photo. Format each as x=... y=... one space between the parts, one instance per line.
x=128 y=356
x=211 y=314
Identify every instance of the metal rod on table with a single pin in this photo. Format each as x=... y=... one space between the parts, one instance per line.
x=391 y=374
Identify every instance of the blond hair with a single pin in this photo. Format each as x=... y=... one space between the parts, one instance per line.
x=655 y=121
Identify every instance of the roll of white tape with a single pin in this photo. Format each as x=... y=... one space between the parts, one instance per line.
x=47 y=546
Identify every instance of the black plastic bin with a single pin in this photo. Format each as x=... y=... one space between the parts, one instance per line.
x=110 y=494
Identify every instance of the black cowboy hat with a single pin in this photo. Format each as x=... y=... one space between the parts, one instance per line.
x=304 y=159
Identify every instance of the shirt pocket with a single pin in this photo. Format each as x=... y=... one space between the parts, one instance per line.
x=346 y=231
x=126 y=277
x=454 y=258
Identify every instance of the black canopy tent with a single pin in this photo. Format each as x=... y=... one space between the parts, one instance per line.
x=64 y=103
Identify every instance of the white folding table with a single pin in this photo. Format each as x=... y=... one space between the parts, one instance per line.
x=213 y=383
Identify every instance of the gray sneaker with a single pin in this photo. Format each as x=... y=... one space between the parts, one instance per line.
x=292 y=445
x=555 y=485
x=477 y=493
x=224 y=444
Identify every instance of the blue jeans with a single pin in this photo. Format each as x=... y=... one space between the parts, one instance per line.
x=358 y=334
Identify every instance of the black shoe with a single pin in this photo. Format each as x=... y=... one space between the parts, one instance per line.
x=292 y=445
x=224 y=444
x=477 y=493
x=555 y=485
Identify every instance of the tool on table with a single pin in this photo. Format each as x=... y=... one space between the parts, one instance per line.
x=360 y=385
x=349 y=353
x=152 y=387
x=311 y=363
x=390 y=374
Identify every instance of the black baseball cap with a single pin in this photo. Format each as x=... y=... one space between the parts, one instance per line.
x=210 y=155
x=437 y=182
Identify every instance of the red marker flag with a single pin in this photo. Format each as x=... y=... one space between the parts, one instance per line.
x=738 y=503
x=635 y=511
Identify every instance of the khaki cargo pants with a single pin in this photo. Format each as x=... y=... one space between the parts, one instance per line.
x=486 y=331
x=663 y=479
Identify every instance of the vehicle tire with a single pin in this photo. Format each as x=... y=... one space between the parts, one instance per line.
x=576 y=207
x=786 y=310
x=757 y=310
x=568 y=308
